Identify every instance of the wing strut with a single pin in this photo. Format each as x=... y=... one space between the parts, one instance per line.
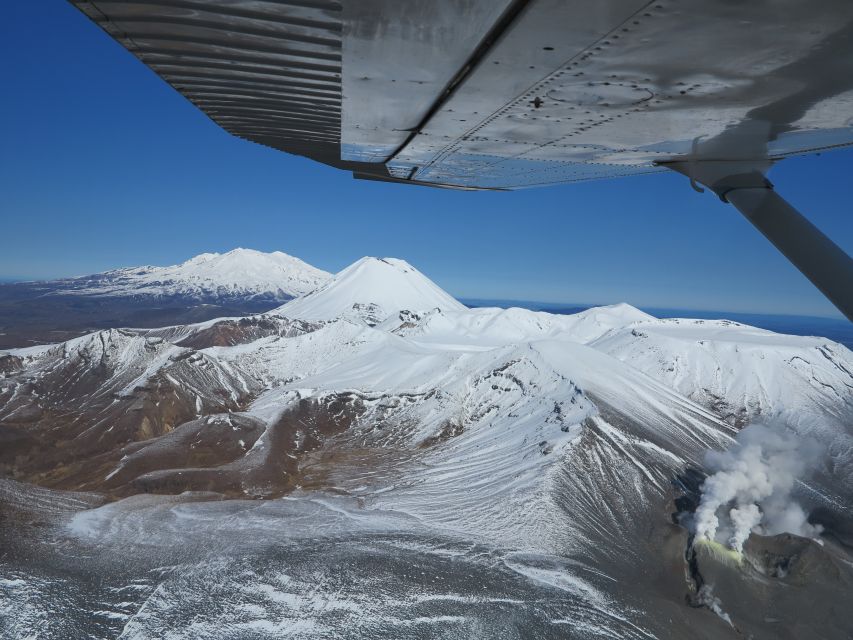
x=744 y=184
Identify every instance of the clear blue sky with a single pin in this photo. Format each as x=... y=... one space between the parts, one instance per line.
x=103 y=165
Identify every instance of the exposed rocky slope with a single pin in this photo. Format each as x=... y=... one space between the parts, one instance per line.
x=569 y=447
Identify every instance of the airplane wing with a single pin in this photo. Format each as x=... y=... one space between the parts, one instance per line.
x=507 y=94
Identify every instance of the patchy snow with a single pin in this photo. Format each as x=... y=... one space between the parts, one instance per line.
x=535 y=447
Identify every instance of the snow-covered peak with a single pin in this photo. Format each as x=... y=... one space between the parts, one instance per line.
x=249 y=268
x=244 y=273
x=493 y=326
x=754 y=372
x=203 y=258
x=372 y=289
x=593 y=323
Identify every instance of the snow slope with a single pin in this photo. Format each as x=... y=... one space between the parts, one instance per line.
x=745 y=374
x=371 y=289
x=754 y=371
x=484 y=426
x=240 y=273
x=554 y=443
x=489 y=326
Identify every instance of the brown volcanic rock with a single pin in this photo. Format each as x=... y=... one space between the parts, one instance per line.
x=783 y=586
x=10 y=364
x=67 y=416
x=204 y=442
x=126 y=412
x=227 y=333
x=233 y=453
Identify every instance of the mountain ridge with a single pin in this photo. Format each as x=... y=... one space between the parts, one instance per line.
x=563 y=451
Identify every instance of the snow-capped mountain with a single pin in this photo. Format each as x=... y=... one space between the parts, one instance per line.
x=746 y=372
x=499 y=443
x=373 y=289
x=211 y=285
x=237 y=274
x=498 y=326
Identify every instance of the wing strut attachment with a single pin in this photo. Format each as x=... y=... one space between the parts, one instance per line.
x=745 y=185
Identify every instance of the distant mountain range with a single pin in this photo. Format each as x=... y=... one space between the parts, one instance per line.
x=564 y=450
x=207 y=286
x=239 y=275
x=837 y=329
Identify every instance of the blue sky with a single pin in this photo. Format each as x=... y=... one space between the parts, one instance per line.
x=103 y=165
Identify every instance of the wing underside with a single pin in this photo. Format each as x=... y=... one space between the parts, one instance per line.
x=505 y=94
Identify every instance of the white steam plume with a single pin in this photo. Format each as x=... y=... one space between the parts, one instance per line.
x=750 y=489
